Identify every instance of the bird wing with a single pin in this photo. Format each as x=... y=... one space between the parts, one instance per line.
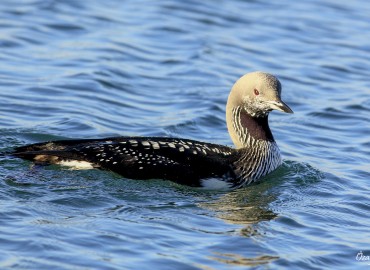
x=180 y=160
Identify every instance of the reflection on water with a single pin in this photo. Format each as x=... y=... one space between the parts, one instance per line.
x=244 y=206
x=254 y=207
x=252 y=204
x=234 y=259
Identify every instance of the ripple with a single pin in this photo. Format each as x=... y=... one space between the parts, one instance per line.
x=71 y=69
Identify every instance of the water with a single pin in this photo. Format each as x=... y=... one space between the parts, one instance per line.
x=86 y=69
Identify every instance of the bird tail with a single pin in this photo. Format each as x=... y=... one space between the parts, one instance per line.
x=46 y=152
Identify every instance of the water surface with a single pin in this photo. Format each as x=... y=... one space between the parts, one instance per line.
x=86 y=69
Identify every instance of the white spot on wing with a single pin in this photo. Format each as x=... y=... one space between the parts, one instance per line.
x=133 y=143
x=172 y=145
x=155 y=145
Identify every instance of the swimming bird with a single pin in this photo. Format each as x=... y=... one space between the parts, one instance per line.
x=187 y=162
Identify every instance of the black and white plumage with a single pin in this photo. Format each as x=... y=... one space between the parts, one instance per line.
x=184 y=161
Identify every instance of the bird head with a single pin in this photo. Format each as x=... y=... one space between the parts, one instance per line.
x=258 y=93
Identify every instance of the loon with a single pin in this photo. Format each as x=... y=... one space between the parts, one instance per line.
x=187 y=162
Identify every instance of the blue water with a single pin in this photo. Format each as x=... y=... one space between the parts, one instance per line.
x=91 y=69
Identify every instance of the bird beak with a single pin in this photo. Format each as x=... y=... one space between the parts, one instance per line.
x=280 y=106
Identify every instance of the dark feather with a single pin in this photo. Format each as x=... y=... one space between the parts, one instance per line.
x=179 y=160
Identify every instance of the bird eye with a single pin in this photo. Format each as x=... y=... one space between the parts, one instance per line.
x=256 y=92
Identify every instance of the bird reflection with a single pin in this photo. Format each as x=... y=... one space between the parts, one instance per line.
x=238 y=260
x=244 y=206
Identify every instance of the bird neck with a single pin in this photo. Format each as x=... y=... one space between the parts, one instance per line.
x=245 y=129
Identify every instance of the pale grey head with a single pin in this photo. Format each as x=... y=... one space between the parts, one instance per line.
x=256 y=93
